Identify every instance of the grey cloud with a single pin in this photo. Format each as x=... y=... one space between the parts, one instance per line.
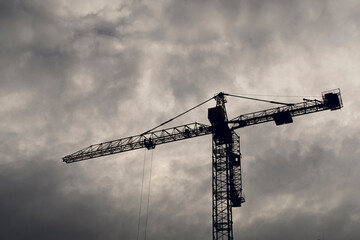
x=47 y=212
x=68 y=80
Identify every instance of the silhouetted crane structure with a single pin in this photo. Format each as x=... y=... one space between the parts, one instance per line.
x=226 y=157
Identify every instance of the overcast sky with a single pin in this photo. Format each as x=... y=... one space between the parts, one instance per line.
x=76 y=73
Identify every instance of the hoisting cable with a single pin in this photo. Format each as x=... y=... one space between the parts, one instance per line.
x=258 y=99
x=177 y=116
x=141 y=194
x=148 y=200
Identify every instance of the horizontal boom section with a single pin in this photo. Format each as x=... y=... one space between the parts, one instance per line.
x=149 y=141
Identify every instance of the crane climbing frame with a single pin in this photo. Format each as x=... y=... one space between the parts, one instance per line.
x=226 y=156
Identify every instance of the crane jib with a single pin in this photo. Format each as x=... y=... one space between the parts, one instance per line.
x=149 y=141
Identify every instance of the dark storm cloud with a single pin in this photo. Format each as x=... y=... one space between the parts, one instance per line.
x=240 y=36
x=293 y=224
x=244 y=37
x=61 y=59
x=40 y=202
x=301 y=189
x=42 y=57
x=30 y=46
x=78 y=75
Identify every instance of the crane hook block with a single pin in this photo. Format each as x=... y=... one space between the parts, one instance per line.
x=149 y=144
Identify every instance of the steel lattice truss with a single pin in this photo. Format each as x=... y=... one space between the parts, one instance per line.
x=149 y=140
x=264 y=116
x=226 y=184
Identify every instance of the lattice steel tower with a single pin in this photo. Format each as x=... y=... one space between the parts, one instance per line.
x=226 y=171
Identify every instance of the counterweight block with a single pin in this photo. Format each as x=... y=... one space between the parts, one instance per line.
x=332 y=99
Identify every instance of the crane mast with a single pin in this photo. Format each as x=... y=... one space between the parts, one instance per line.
x=226 y=155
x=226 y=171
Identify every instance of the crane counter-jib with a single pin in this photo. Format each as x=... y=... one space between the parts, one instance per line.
x=283 y=115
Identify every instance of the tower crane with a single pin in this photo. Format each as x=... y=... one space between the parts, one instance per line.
x=226 y=157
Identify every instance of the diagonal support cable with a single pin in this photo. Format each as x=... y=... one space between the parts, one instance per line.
x=258 y=99
x=177 y=116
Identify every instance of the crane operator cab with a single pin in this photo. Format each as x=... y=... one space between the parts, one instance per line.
x=220 y=128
